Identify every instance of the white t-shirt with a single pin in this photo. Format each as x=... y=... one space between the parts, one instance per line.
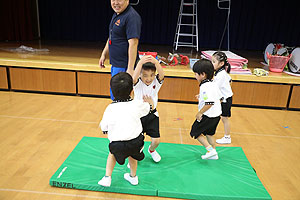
x=141 y=89
x=210 y=95
x=223 y=79
x=122 y=120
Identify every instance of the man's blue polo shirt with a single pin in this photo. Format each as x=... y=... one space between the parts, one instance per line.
x=125 y=26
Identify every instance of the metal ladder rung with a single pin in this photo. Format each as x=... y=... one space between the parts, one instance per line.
x=185 y=45
x=188 y=4
x=186 y=34
x=187 y=24
x=187 y=14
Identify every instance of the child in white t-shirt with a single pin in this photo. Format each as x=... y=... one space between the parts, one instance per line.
x=209 y=108
x=223 y=80
x=147 y=84
x=121 y=121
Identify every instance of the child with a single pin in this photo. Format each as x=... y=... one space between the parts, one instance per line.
x=146 y=83
x=223 y=80
x=209 y=107
x=121 y=121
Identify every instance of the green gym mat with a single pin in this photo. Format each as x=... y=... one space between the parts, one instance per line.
x=180 y=174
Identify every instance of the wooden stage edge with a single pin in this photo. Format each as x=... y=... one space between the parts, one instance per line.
x=69 y=71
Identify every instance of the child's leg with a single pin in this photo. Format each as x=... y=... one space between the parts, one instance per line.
x=226 y=139
x=211 y=140
x=133 y=166
x=209 y=143
x=110 y=164
x=154 y=154
x=131 y=177
x=154 y=143
x=226 y=123
x=203 y=141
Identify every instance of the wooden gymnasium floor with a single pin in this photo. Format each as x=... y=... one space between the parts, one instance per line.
x=38 y=132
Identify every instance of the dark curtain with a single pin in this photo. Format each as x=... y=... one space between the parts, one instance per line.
x=16 y=20
x=253 y=24
x=85 y=20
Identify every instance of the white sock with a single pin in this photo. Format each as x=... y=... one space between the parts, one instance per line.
x=209 y=148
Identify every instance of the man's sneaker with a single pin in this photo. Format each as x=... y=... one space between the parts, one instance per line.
x=105 y=181
x=155 y=156
x=216 y=157
x=131 y=180
x=209 y=154
x=224 y=140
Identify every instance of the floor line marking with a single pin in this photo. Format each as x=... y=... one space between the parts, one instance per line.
x=180 y=129
x=250 y=134
x=180 y=136
x=58 y=194
x=45 y=119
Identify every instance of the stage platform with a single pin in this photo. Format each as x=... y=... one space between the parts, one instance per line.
x=72 y=68
x=180 y=174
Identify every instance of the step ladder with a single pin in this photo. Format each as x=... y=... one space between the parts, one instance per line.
x=225 y=5
x=187 y=25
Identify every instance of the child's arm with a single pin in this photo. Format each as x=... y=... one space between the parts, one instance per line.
x=203 y=110
x=104 y=123
x=137 y=71
x=159 y=69
x=148 y=99
x=104 y=126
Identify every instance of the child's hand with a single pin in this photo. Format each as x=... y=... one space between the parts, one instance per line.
x=154 y=60
x=199 y=116
x=146 y=59
x=148 y=99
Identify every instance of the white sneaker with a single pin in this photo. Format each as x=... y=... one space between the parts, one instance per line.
x=105 y=181
x=224 y=140
x=131 y=180
x=155 y=156
x=216 y=157
x=209 y=154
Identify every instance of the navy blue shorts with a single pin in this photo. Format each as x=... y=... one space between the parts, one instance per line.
x=150 y=124
x=123 y=149
x=207 y=126
x=226 y=107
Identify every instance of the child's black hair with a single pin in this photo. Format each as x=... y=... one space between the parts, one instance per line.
x=204 y=66
x=121 y=85
x=221 y=57
x=149 y=66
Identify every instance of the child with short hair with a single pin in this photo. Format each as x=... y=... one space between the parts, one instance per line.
x=121 y=121
x=147 y=83
x=223 y=80
x=209 y=108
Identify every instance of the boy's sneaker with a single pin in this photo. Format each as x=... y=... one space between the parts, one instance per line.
x=216 y=157
x=224 y=140
x=209 y=154
x=131 y=180
x=155 y=156
x=105 y=181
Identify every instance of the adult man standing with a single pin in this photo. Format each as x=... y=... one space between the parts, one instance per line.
x=124 y=34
